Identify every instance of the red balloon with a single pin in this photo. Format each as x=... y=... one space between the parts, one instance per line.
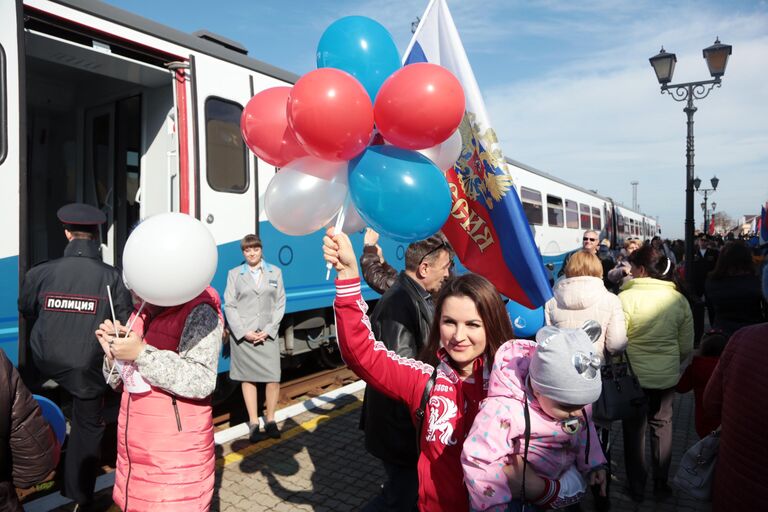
x=265 y=129
x=331 y=114
x=419 y=106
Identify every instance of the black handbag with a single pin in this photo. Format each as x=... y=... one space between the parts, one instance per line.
x=622 y=397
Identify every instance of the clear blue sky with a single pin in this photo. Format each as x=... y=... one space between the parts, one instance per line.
x=567 y=84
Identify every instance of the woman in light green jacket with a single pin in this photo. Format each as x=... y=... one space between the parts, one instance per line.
x=660 y=333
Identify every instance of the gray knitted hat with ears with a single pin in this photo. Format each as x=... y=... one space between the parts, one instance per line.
x=565 y=366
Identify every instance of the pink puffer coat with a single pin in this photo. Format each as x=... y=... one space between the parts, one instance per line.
x=165 y=449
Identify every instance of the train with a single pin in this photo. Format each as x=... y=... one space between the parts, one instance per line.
x=559 y=212
x=101 y=106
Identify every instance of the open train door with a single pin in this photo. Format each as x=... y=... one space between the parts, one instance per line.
x=226 y=188
x=12 y=267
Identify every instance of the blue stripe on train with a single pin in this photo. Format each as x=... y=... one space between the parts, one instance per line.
x=299 y=258
x=9 y=293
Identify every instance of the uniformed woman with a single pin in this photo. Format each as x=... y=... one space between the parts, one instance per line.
x=254 y=305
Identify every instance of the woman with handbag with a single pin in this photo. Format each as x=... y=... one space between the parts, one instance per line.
x=660 y=333
x=582 y=296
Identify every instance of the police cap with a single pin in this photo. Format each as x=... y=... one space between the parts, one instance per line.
x=79 y=214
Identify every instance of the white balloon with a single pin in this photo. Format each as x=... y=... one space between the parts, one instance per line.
x=445 y=154
x=169 y=259
x=353 y=222
x=305 y=195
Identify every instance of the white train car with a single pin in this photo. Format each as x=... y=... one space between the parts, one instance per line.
x=101 y=106
x=559 y=212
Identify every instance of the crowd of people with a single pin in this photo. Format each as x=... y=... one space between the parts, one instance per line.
x=461 y=413
x=475 y=431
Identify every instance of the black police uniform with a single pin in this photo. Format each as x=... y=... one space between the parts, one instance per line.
x=67 y=299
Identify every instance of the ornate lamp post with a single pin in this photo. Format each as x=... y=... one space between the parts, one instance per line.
x=664 y=66
x=696 y=184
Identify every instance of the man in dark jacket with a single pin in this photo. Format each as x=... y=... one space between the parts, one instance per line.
x=377 y=273
x=67 y=300
x=29 y=451
x=401 y=320
x=704 y=261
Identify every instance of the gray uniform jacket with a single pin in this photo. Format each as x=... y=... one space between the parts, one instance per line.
x=252 y=307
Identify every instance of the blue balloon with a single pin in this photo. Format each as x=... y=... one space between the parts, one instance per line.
x=399 y=193
x=525 y=322
x=363 y=48
x=53 y=416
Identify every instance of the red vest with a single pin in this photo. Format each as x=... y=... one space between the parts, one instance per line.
x=165 y=449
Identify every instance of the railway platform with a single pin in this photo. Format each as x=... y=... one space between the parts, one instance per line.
x=320 y=464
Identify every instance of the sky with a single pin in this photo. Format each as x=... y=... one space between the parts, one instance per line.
x=568 y=85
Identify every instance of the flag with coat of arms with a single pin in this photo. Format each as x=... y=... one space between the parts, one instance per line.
x=487 y=226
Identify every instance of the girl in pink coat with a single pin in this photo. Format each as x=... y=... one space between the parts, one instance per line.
x=537 y=406
x=165 y=450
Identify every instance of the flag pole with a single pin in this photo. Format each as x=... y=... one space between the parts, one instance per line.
x=407 y=51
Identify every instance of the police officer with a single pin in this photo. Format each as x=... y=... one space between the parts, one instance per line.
x=67 y=299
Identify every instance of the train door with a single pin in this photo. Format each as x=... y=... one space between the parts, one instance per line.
x=11 y=158
x=91 y=132
x=225 y=183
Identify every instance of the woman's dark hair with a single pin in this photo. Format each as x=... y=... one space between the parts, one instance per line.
x=656 y=265
x=498 y=328
x=713 y=344
x=654 y=262
x=735 y=260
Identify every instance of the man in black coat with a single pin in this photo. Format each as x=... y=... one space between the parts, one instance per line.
x=401 y=320
x=704 y=261
x=67 y=300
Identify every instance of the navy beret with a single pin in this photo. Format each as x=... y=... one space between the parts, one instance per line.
x=79 y=214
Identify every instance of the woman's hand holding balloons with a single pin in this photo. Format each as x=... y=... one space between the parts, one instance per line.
x=106 y=333
x=127 y=347
x=338 y=251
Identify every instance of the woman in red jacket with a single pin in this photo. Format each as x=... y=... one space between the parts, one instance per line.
x=470 y=323
x=697 y=375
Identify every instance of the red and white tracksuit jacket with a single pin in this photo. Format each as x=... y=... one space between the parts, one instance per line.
x=450 y=411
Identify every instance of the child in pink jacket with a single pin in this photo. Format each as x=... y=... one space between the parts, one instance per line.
x=555 y=379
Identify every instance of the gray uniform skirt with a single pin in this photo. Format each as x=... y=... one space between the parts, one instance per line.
x=255 y=363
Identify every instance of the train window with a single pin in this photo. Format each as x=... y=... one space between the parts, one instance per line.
x=571 y=214
x=555 y=211
x=532 y=205
x=226 y=155
x=596 y=224
x=585 y=218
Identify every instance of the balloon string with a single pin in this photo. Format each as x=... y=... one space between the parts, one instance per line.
x=112 y=309
x=336 y=230
x=133 y=320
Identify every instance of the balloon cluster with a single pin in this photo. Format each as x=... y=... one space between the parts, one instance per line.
x=361 y=132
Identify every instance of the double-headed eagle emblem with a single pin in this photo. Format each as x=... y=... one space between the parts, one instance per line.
x=481 y=168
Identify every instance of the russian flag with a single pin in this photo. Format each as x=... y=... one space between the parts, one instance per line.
x=487 y=227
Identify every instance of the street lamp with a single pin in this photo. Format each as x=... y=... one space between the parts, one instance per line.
x=696 y=184
x=664 y=67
